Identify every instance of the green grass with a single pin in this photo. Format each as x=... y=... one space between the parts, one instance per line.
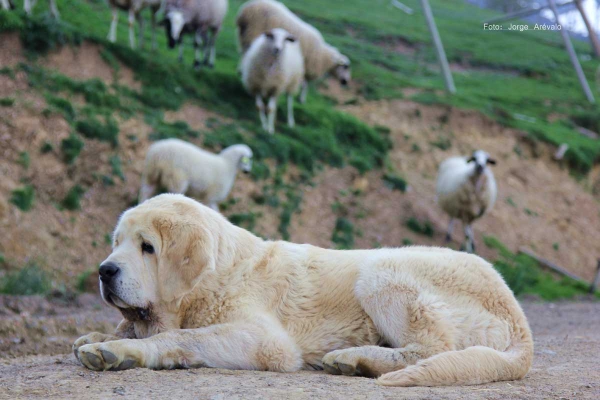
x=524 y=275
x=422 y=228
x=395 y=182
x=71 y=147
x=6 y=101
x=23 y=197
x=72 y=200
x=343 y=233
x=28 y=280
x=24 y=159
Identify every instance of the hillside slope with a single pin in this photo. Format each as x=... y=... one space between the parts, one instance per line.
x=77 y=121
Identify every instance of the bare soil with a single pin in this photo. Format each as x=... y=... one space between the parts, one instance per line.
x=567 y=338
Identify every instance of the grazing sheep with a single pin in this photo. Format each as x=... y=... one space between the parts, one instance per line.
x=466 y=189
x=134 y=8
x=273 y=65
x=28 y=6
x=203 y=18
x=181 y=167
x=258 y=16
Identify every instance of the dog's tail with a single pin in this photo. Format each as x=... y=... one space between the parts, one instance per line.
x=471 y=366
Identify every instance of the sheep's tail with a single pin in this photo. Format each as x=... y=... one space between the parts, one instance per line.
x=471 y=366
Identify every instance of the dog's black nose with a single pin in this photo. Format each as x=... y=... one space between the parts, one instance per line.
x=108 y=271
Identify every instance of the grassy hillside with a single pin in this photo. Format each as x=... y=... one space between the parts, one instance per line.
x=502 y=74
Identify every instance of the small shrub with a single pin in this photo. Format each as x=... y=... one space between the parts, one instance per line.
x=395 y=182
x=27 y=281
x=107 y=239
x=23 y=197
x=44 y=33
x=425 y=228
x=177 y=130
x=46 y=148
x=244 y=220
x=407 y=242
x=92 y=128
x=442 y=143
x=63 y=106
x=24 y=159
x=82 y=281
x=71 y=147
x=115 y=164
x=7 y=101
x=343 y=233
x=72 y=199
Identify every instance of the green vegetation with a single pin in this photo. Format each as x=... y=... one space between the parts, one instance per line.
x=115 y=164
x=23 y=197
x=524 y=275
x=63 y=106
x=395 y=182
x=6 y=101
x=245 y=220
x=81 y=281
x=343 y=233
x=24 y=159
x=92 y=128
x=72 y=199
x=71 y=147
x=28 y=280
x=424 y=228
x=46 y=148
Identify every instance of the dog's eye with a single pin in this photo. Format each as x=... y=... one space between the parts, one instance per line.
x=147 y=248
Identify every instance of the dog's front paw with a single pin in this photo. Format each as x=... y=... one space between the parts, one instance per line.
x=94 y=337
x=113 y=356
x=347 y=362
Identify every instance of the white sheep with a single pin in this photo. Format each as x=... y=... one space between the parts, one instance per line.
x=134 y=9
x=202 y=18
x=181 y=167
x=320 y=58
x=29 y=4
x=273 y=65
x=466 y=190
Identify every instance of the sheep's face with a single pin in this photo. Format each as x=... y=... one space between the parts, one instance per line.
x=342 y=70
x=481 y=160
x=245 y=163
x=174 y=23
x=277 y=39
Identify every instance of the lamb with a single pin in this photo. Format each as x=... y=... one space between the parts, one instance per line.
x=466 y=189
x=28 y=6
x=134 y=8
x=273 y=65
x=203 y=18
x=181 y=167
x=320 y=58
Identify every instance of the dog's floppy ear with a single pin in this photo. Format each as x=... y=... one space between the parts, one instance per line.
x=188 y=250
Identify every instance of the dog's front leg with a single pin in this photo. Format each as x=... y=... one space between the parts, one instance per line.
x=124 y=330
x=241 y=345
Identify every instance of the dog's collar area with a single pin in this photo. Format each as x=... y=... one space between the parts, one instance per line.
x=136 y=314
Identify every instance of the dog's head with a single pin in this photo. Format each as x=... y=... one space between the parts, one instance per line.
x=161 y=250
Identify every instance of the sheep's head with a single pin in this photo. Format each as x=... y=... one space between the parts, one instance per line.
x=481 y=160
x=240 y=155
x=173 y=23
x=342 y=69
x=277 y=39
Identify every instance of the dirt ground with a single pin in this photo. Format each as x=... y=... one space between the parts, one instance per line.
x=567 y=338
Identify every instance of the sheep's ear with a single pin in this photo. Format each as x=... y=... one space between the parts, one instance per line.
x=291 y=38
x=491 y=161
x=269 y=35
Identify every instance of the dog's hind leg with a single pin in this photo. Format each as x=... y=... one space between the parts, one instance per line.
x=410 y=322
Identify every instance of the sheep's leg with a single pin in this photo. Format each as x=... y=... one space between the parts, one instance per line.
x=199 y=39
x=146 y=191
x=28 y=5
x=290 y=110
x=261 y=112
x=112 y=33
x=271 y=113
x=140 y=22
x=131 y=22
x=470 y=245
x=54 y=9
x=5 y=4
x=210 y=61
x=303 y=92
x=450 y=229
x=214 y=206
x=153 y=26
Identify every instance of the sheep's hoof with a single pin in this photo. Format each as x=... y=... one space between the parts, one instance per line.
x=197 y=65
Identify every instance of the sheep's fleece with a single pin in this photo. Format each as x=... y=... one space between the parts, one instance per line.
x=197 y=291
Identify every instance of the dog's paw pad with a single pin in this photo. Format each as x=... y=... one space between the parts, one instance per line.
x=127 y=364
x=109 y=357
x=347 y=369
x=331 y=369
x=93 y=360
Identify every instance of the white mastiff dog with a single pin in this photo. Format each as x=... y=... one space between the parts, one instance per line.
x=197 y=291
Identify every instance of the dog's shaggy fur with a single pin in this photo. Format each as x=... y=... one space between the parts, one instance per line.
x=196 y=291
